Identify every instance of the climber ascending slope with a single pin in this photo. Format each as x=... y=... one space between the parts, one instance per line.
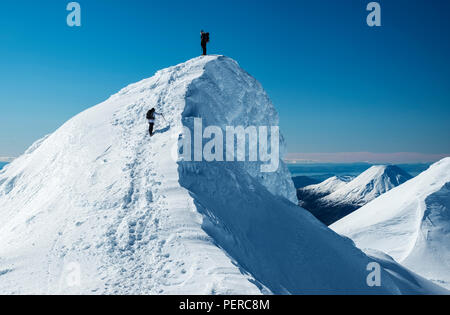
x=205 y=41
x=151 y=116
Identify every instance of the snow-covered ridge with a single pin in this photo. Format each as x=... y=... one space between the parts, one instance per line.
x=99 y=198
x=99 y=194
x=411 y=223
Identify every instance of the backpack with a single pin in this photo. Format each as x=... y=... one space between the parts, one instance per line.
x=207 y=37
x=151 y=114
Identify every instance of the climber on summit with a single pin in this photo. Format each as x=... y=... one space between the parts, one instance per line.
x=151 y=116
x=205 y=40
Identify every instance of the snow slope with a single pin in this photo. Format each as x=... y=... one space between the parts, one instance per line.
x=411 y=223
x=99 y=208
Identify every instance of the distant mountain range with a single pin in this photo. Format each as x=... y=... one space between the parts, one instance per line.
x=339 y=196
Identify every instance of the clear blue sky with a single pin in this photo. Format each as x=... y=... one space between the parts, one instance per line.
x=338 y=85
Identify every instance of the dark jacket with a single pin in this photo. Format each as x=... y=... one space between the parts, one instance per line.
x=204 y=39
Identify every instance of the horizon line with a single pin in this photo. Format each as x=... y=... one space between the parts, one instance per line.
x=364 y=157
x=6 y=159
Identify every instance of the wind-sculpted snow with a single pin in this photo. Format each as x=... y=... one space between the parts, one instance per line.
x=225 y=95
x=411 y=223
x=98 y=207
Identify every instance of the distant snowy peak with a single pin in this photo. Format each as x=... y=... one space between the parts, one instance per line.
x=337 y=197
x=327 y=187
x=374 y=182
x=411 y=223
